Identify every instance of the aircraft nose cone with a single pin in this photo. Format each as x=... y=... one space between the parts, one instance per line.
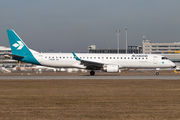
x=173 y=65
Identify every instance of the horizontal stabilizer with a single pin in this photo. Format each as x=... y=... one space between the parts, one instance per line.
x=11 y=55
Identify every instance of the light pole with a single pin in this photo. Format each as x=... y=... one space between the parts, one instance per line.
x=126 y=39
x=118 y=34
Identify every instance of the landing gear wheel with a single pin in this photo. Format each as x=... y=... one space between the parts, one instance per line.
x=157 y=73
x=92 y=72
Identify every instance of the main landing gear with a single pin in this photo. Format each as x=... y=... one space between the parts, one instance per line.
x=92 y=72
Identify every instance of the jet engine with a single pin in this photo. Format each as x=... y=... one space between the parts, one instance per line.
x=111 y=68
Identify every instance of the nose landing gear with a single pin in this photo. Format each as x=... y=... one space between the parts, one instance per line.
x=157 y=73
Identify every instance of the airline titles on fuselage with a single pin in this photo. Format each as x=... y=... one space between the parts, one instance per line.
x=139 y=55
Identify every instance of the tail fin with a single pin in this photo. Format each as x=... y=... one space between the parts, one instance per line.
x=18 y=47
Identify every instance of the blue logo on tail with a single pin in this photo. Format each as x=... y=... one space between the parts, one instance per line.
x=18 y=45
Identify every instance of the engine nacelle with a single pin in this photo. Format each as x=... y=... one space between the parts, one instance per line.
x=111 y=68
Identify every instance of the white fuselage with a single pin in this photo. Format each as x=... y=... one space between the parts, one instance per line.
x=106 y=62
x=67 y=60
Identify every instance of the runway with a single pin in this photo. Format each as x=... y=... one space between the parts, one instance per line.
x=80 y=77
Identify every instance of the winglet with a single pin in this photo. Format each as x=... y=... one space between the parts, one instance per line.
x=76 y=56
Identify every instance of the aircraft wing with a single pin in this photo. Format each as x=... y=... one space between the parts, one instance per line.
x=89 y=64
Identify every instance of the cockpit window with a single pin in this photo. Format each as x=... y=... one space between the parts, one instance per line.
x=164 y=58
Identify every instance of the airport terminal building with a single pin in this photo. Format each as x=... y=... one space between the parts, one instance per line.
x=160 y=48
x=131 y=49
x=3 y=59
x=169 y=50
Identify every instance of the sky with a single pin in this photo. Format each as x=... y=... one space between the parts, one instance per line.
x=73 y=25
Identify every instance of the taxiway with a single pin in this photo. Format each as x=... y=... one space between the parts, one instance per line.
x=63 y=77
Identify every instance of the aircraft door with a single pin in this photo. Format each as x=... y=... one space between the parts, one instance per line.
x=40 y=58
x=155 y=59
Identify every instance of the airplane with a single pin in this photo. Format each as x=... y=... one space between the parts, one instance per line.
x=111 y=63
